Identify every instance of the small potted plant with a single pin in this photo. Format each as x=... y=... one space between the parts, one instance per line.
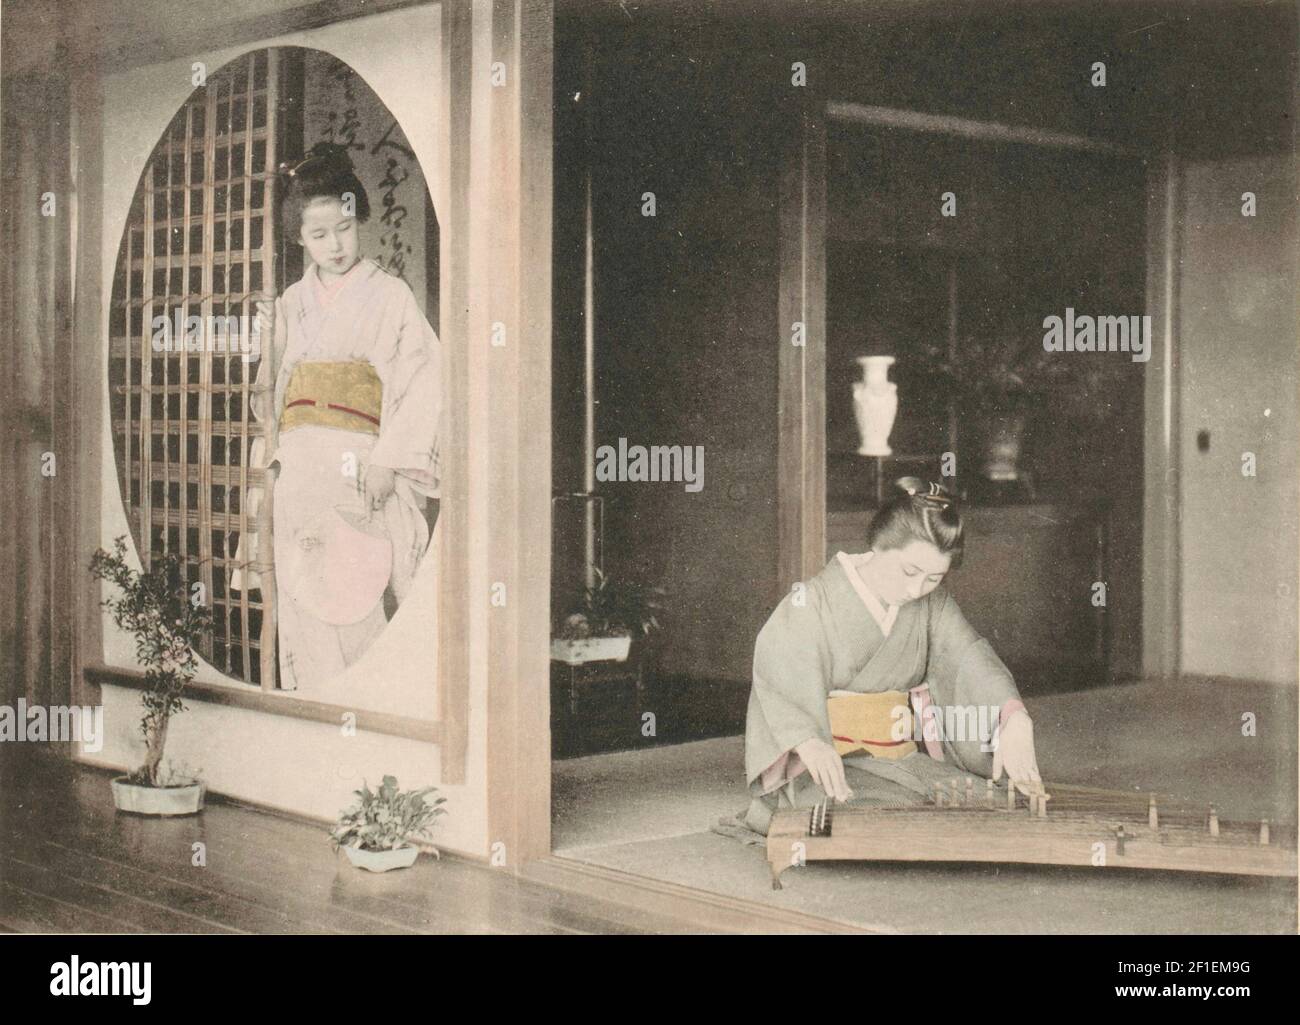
x=379 y=831
x=155 y=606
x=605 y=620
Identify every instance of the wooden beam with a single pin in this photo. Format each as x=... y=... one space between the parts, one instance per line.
x=969 y=128
x=508 y=136
x=64 y=582
x=1161 y=548
x=532 y=431
x=88 y=373
x=176 y=37
x=455 y=610
x=36 y=295
x=698 y=910
x=801 y=401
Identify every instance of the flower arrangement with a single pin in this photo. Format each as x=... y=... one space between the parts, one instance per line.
x=388 y=818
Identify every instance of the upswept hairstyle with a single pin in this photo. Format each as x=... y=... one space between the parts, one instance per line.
x=325 y=173
x=918 y=511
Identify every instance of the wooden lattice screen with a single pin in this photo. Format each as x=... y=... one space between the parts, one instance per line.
x=200 y=240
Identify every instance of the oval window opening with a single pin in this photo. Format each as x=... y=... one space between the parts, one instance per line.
x=200 y=400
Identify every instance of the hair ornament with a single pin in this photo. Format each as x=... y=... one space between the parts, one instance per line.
x=929 y=492
x=330 y=151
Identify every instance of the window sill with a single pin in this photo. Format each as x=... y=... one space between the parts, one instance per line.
x=280 y=704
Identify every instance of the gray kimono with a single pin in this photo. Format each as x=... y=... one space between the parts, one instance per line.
x=823 y=637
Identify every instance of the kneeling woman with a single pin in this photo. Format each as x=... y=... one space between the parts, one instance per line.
x=847 y=660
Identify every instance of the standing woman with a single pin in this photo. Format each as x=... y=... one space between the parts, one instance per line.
x=357 y=399
x=850 y=657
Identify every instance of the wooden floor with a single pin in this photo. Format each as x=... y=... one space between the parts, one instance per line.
x=69 y=863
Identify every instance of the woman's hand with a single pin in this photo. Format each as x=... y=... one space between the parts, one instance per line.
x=266 y=317
x=1015 y=753
x=825 y=766
x=377 y=484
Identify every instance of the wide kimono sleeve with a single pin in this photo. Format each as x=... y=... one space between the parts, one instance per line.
x=263 y=403
x=411 y=372
x=964 y=674
x=787 y=703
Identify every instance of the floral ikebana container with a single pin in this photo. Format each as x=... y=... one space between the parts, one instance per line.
x=379 y=831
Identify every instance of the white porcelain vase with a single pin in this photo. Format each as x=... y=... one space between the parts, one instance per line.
x=875 y=404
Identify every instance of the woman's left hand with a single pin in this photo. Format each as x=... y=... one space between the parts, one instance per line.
x=377 y=484
x=1015 y=753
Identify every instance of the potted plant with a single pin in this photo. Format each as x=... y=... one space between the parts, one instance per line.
x=378 y=832
x=604 y=621
x=155 y=606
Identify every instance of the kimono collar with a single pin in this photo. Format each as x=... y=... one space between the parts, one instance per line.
x=882 y=614
x=326 y=294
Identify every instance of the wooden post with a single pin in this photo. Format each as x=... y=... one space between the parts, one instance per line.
x=801 y=369
x=1161 y=531
x=501 y=199
x=267 y=649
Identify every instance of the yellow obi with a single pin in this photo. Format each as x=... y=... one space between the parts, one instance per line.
x=346 y=395
x=878 y=724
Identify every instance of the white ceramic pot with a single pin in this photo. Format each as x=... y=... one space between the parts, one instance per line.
x=875 y=404
x=382 y=861
x=186 y=799
x=591 y=649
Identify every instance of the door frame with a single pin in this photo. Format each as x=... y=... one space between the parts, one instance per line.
x=801 y=463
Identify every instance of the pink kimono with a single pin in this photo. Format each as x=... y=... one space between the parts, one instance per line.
x=359 y=384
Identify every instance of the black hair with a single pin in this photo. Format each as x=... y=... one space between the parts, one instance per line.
x=325 y=173
x=918 y=511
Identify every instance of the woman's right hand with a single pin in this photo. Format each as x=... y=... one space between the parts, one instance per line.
x=825 y=766
x=266 y=317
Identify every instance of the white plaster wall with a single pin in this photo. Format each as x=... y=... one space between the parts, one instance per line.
x=306 y=767
x=1238 y=351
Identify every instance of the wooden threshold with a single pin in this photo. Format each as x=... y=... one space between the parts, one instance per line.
x=698 y=910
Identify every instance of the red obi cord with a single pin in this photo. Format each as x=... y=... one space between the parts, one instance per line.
x=331 y=405
x=872 y=743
